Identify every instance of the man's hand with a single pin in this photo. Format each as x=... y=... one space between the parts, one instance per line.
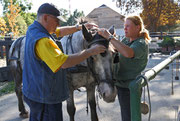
x=96 y=49
x=91 y=25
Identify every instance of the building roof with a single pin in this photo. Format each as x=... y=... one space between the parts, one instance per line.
x=104 y=16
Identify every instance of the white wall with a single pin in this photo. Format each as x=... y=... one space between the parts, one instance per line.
x=120 y=33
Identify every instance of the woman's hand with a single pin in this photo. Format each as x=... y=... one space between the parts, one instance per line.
x=104 y=33
x=112 y=48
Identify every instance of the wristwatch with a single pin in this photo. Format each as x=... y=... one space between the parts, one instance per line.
x=77 y=27
x=110 y=37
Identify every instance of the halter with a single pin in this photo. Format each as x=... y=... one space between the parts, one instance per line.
x=101 y=41
x=78 y=68
x=89 y=67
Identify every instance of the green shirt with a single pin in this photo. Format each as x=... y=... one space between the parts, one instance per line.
x=127 y=69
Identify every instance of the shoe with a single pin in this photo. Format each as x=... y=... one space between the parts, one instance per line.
x=144 y=108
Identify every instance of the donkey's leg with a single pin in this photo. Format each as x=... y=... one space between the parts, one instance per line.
x=92 y=101
x=70 y=105
x=18 y=90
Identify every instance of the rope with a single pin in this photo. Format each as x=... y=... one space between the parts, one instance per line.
x=172 y=90
x=146 y=80
x=97 y=103
x=177 y=69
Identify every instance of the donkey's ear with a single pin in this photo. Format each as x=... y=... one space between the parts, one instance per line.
x=112 y=29
x=87 y=34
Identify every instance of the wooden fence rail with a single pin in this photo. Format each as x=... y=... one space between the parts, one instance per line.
x=5 y=73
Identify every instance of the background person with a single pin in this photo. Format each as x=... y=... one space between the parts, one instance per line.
x=133 y=57
x=44 y=77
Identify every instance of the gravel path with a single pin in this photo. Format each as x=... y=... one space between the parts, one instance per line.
x=162 y=101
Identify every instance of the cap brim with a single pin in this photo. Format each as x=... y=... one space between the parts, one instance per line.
x=61 y=19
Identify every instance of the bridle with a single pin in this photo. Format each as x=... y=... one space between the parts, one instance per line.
x=89 y=68
x=90 y=62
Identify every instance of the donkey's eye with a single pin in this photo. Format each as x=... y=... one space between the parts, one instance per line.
x=104 y=54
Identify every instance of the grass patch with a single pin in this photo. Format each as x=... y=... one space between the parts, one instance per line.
x=7 y=88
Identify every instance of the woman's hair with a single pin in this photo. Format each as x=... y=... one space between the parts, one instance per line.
x=137 y=20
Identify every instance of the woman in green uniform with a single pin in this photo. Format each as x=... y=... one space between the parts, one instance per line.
x=133 y=58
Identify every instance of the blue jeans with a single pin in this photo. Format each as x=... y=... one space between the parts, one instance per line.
x=44 y=112
x=124 y=101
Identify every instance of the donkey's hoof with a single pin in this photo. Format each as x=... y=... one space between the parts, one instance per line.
x=24 y=115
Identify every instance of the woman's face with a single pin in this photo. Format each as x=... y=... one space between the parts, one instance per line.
x=131 y=30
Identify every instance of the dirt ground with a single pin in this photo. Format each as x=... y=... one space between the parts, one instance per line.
x=164 y=105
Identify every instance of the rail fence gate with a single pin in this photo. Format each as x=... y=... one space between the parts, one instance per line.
x=5 y=73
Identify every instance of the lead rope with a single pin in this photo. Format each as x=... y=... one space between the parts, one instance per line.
x=144 y=89
x=87 y=108
x=177 y=69
x=96 y=80
x=100 y=96
x=146 y=80
x=172 y=85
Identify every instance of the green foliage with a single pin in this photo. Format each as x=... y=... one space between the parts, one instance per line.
x=22 y=25
x=64 y=13
x=29 y=18
x=167 y=41
x=7 y=88
x=25 y=18
x=24 y=4
x=73 y=19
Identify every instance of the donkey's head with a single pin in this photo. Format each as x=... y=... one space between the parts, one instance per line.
x=101 y=65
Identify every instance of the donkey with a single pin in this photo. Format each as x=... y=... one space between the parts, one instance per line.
x=94 y=71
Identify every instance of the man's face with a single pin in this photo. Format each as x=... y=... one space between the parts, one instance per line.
x=53 y=23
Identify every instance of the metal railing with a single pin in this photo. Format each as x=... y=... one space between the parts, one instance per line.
x=141 y=81
x=163 y=34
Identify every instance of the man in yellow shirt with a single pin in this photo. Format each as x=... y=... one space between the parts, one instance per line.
x=44 y=77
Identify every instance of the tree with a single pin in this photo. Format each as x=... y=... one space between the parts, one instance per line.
x=14 y=13
x=128 y=6
x=73 y=19
x=29 y=17
x=11 y=16
x=22 y=26
x=3 y=27
x=167 y=42
x=64 y=13
x=25 y=5
x=158 y=14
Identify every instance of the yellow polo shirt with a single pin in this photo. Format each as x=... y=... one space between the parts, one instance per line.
x=48 y=51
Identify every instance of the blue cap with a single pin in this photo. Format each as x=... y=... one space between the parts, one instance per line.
x=51 y=9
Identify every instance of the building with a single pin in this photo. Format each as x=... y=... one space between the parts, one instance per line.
x=105 y=17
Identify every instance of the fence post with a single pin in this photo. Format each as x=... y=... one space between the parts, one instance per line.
x=135 y=100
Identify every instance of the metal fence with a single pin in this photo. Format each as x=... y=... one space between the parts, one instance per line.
x=141 y=81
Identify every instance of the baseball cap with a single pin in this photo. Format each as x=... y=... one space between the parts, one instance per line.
x=51 y=9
